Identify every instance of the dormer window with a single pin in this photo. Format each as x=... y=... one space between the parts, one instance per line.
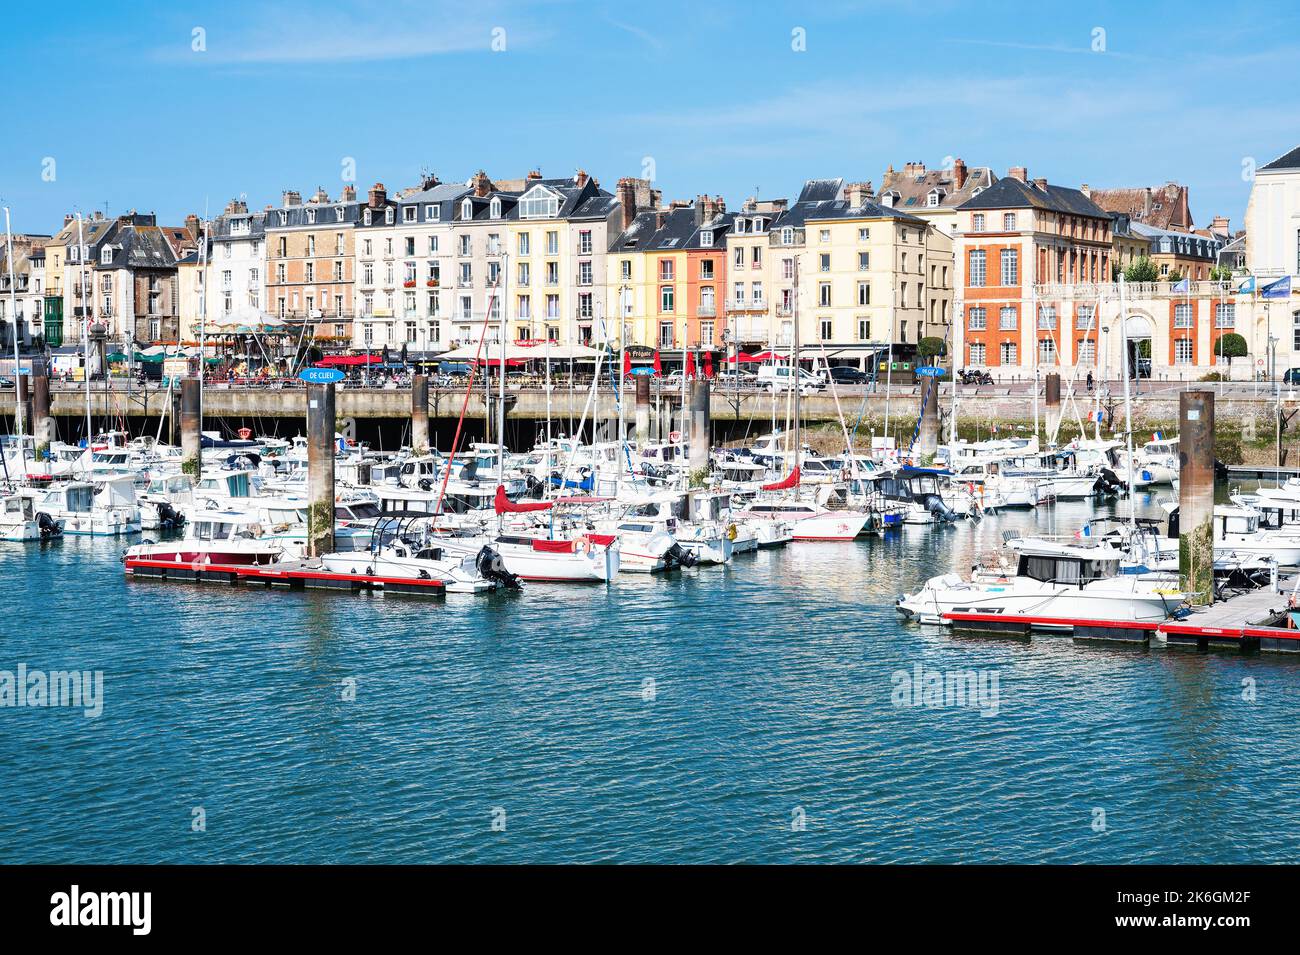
x=466 y=209
x=706 y=238
x=494 y=209
x=934 y=198
x=311 y=216
x=284 y=218
x=338 y=213
x=368 y=216
x=432 y=213
x=388 y=216
x=539 y=203
x=888 y=199
x=741 y=226
x=106 y=256
x=759 y=224
x=787 y=236
x=408 y=213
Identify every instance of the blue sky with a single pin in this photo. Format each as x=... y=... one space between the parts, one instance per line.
x=713 y=93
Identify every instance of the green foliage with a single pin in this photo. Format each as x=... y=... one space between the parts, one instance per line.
x=1231 y=345
x=190 y=467
x=1174 y=276
x=931 y=346
x=1220 y=273
x=699 y=476
x=1143 y=270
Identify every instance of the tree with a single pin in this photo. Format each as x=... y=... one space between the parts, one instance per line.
x=1231 y=345
x=1220 y=273
x=930 y=347
x=1174 y=276
x=1142 y=270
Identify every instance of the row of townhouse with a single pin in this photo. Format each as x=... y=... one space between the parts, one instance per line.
x=1011 y=272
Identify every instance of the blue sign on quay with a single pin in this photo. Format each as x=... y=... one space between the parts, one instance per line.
x=321 y=376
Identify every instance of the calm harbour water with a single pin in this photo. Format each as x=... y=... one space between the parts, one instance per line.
x=771 y=696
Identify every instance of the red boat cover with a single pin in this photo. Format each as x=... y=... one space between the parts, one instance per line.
x=552 y=547
x=789 y=481
x=506 y=506
x=602 y=540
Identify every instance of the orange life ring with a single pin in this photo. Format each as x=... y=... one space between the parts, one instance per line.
x=245 y=433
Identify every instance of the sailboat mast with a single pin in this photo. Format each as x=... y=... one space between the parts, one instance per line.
x=13 y=314
x=1128 y=401
x=794 y=365
x=85 y=317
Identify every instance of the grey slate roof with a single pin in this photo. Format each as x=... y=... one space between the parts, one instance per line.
x=1009 y=193
x=1289 y=160
x=585 y=202
x=219 y=228
x=679 y=232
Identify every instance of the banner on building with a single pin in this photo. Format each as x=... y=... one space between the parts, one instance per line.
x=1279 y=289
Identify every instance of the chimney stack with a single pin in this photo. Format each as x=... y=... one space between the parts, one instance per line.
x=349 y=193
x=291 y=198
x=580 y=179
x=959 y=173
x=68 y=218
x=377 y=197
x=192 y=225
x=1018 y=172
x=1146 y=202
x=857 y=193
x=1086 y=190
x=1040 y=185
x=660 y=218
x=482 y=184
x=1219 y=224
x=321 y=195
x=534 y=174
x=626 y=190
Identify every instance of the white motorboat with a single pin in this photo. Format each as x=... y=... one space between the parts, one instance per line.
x=103 y=508
x=215 y=537
x=460 y=573
x=1049 y=581
x=807 y=521
x=20 y=521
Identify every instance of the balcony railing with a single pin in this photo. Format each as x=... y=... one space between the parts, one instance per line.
x=707 y=310
x=1086 y=291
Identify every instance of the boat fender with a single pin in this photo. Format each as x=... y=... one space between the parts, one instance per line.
x=732 y=533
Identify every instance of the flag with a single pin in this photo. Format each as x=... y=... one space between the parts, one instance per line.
x=1279 y=289
x=1184 y=286
x=1098 y=416
x=1247 y=287
x=1157 y=435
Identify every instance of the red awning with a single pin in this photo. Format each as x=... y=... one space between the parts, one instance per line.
x=336 y=360
x=743 y=358
x=708 y=364
x=506 y=506
x=627 y=363
x=768 y=356
x=789 y=481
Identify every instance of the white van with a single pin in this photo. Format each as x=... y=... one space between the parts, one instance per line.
x=778 y=378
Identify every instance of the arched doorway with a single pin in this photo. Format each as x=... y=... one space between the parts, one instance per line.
x=1139 y=332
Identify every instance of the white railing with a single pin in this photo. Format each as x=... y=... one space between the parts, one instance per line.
x=1090 y=291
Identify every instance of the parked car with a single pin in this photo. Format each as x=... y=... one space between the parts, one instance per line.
x=848 y=375
x=7 y=382
x=1291 y=376
x=774 y=378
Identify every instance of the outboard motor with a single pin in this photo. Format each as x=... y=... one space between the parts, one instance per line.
x=532 y=486
x=935 y=505
x=47 y=525
x=679 y=556
x=1110 y=480
x=470 y=471
x=492 y=567
x=425 y=484
x=167 y=516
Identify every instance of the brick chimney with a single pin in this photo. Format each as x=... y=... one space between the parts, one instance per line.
x=580 y=179
x=1018 y=172
x=703 y=210
x=959 y=173
x=377 y=196
x=534 y=174
x=291 y=197
x=858 y=193
x=660 y=218
x=482 y=184
x=428 y=180
x=321 y=195
x=192 y=226
x=1086 y=190
x=1219 y=224
x=1040 y=185
x=68 y=218
x=626 y=191
x=1146 y=202
x=349 y=193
